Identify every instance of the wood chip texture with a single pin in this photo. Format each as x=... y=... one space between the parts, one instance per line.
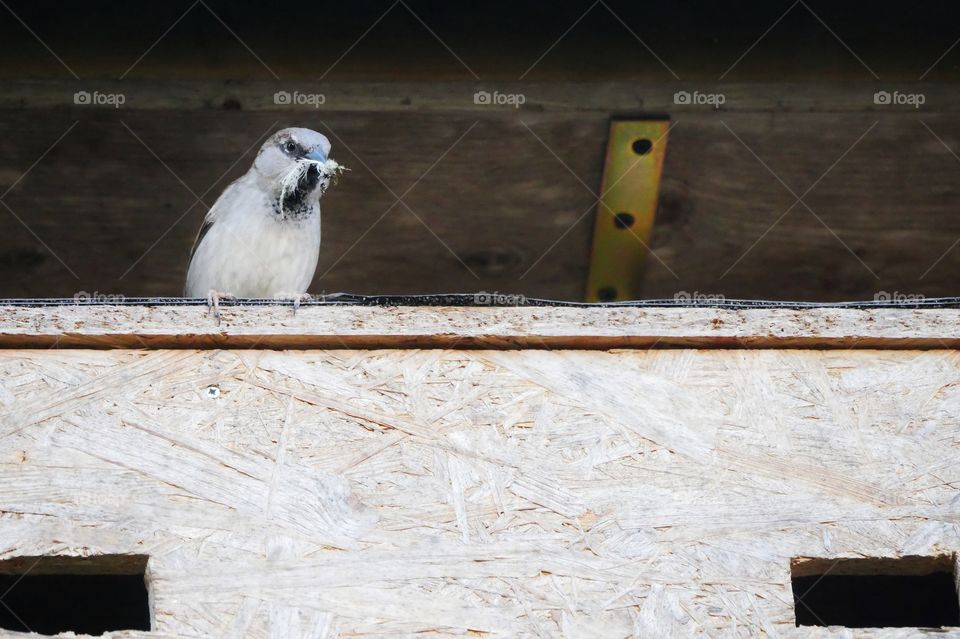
x=496 y=493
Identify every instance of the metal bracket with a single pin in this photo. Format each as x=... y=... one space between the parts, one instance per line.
x=628 y=204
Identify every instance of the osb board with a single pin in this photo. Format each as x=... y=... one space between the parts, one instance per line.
x=247 y=325
x=499 y=199
x=378 y=493
x=279 y=326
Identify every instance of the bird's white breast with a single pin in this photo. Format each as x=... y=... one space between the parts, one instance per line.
x=250 y=252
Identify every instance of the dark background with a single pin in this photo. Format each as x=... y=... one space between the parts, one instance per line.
x=500 y=199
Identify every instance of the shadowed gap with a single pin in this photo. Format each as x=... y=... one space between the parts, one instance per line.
x=912 y=592
x=92 y=595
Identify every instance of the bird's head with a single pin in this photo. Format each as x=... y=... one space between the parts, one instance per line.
x=287 y=148
x=296 y=164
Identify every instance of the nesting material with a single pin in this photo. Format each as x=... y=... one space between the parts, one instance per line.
x=330 y=172
x=515 y=493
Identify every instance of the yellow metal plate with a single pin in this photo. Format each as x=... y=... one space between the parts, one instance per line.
x=628 y=204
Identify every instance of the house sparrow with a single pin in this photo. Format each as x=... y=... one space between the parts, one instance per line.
x=261 y=238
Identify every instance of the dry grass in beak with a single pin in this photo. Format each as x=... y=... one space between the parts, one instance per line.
x=329 y=169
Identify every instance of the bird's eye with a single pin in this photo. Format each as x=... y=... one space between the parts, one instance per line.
x=290 y=146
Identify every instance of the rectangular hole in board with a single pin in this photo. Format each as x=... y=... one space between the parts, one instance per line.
x=85 y=595
x=904 y=592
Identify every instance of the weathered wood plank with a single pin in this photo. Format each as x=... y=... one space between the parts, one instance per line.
x=606 y=97
x=499 y=212
x=88 y=326
x=473 y=220
x=881 y=217
x=500 y=40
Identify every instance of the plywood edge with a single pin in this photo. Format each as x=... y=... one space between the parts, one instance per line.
x=909 y=565
x=75 y=565
x=278 y=327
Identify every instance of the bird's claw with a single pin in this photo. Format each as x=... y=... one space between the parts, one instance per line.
x=299 y=299
x=296 y=298
x=213 y=302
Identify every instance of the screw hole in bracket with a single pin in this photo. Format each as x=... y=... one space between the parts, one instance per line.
x=623 y=221
x=641 y=146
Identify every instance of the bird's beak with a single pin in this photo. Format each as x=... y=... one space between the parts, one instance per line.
x=316 y=155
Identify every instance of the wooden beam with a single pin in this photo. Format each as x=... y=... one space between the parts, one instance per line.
x=906 y=565
x=611 y=96
x=880 y=221
x=127 y=564
x=278 y=327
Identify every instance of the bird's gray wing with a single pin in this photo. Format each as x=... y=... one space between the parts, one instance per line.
x=207 y=224
x=215 y=211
